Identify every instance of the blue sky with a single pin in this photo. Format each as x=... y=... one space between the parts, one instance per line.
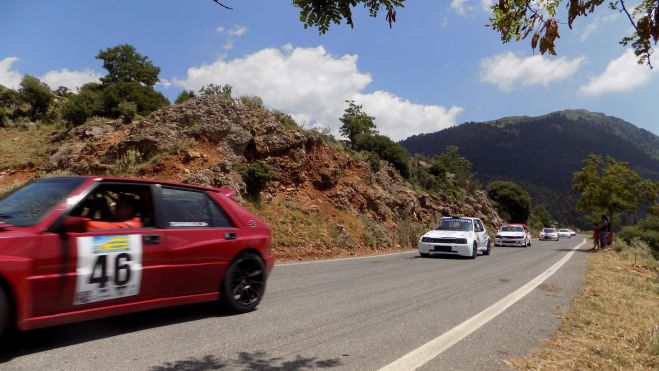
x=438 y=66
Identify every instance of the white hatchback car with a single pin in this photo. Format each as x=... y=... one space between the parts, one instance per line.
x=549 y=234
x=512 y=235
x=456 y=236
x=564 y=232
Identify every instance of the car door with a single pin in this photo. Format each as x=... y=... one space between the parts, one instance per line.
x=200 y=237
x=93 y=268
x=480 y=233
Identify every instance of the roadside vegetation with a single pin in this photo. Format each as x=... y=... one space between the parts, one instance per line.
x=614 y=320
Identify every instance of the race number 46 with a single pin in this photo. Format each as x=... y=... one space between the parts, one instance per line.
x=109 y=267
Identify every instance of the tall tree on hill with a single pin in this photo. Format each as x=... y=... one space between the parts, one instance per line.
x=125 y=64
x=511 y=200
x=37 y=94
x=355 y=122
x=611 y=187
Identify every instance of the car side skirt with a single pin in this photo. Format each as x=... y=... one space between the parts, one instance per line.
x=114 y=310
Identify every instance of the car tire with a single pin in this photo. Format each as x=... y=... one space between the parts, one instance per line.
x=530 y=239
x=474 y=251
x=424 y=254
x=489 y=248
x=4 y=314
x=243 y=285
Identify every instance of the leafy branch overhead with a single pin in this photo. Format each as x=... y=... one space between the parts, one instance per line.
x=518 y=19
x=513 y=19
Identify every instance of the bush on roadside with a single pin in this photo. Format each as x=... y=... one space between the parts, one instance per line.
x=84 y=105
x=216 y=90
x=184 y=95
x=38 y=95
x=647 y=230
x=252 y=101
x=286 y=120
x=636 y=249
x=342 y=236
x=387 y=149
x=256 y=176
x=375 y=234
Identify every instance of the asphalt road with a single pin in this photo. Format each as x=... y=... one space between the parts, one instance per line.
x=358 y=314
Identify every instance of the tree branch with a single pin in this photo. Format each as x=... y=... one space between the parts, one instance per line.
x=222 y=5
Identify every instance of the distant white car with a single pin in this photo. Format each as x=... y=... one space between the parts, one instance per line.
x=456 y=236
x=549 y=234
x=572 y=233
x=512 y=235
x=564 y=232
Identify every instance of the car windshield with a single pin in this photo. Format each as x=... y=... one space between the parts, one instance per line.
x=464 y=225
x=27 y=205
x=564 y=230
x=549 y=230
x=512 y=228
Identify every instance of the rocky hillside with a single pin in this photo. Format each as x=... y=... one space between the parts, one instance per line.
x=322 y=201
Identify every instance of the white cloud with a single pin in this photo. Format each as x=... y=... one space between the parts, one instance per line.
x=460 y=6
x=596 y=23
x=508 y=70
x=9 y=77
x=621 y=74
x=227 y=45
x=220 y=29
x=487 y=5
x=164 y=83
x=313 y=85
x=71 y=79
x=237 y=30
x=399 y=118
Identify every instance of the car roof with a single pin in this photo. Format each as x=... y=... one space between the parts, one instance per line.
x=459 y=217
x=103 y=178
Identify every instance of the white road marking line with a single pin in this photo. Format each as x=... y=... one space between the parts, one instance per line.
x=425 y=353
x=347 y=259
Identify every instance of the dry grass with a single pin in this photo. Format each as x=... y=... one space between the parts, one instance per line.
x=23 y=147
x=613 y=324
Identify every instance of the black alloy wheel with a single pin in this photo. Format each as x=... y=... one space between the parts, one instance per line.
x=475 y=252
x=243 y=285
x=489 y=248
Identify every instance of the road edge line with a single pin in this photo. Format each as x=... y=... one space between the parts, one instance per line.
x=428 y=351
x=346 y=259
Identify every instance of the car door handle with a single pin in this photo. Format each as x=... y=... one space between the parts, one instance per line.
x=151 y=239
x=230 y=235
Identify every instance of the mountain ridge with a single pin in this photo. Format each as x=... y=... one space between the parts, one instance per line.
x=541 y=153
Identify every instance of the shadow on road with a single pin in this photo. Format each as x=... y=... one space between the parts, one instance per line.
x=40 y=340
x=248 y=361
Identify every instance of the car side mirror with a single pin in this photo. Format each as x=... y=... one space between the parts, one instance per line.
x=74 y=224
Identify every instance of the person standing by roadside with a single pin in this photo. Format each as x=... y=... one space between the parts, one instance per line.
x=604 y=230
x=596 y=236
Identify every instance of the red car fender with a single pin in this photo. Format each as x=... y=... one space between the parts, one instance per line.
x=15 y=272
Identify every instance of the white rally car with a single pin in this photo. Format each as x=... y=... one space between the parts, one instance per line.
x=512 y=235
x=564 y=233
x=456 y=236
x=549 y=234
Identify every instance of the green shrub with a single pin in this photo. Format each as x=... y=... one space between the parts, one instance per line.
x=408 y=231
x=636 y=249
x=510 y=199
x=376 y=235
x=184 y=95
x=387 y=149
x=252 y=101
x=127 y=111
x=647 y=230
x=146 y=99
x=216 y=90
x=342 y=237
x=127 y=162
x=256 y=176
x=286 y=120
x=82 y=106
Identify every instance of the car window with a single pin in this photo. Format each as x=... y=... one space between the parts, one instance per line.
x=220 y=219
x=27 y=205
x=479 y=226
x=186 y=209
x=464 y=225
x=509 y=228
x=117 y=205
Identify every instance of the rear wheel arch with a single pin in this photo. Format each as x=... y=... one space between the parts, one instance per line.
x=6 y=287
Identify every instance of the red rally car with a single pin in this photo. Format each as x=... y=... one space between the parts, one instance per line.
x=79 y=248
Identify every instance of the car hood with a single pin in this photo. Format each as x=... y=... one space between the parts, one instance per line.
x=511 y=234
x=451 y=234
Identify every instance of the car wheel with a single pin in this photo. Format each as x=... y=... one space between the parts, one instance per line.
x=243 y=284
x=4 y=313
x=489 y=248
x=424 y=254
x=474 y=251
x=530 y=239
